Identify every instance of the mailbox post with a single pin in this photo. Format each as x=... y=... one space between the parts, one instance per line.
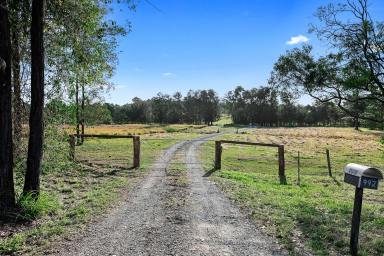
x=361 y=177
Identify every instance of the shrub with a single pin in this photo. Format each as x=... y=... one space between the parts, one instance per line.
x=170 y=129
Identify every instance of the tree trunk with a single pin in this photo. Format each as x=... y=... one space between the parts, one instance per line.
x=77 y=112
x=7 y=192
x=356 y=123
x=36 y=127
x=17 y=106
x=82 y=112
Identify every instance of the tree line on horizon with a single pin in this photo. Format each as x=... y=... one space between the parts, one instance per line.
x=262 y=106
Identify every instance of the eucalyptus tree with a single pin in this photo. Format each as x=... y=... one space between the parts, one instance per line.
x=83 y=52
x=236 y=103
x=7 y=193
x=20 y=23
x=352 y=74
x=36 y=128
x=210 y=106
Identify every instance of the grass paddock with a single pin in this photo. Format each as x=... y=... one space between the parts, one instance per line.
x=316 y=215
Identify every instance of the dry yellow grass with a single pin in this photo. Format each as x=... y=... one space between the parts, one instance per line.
x=137 y=129
x=343 y=143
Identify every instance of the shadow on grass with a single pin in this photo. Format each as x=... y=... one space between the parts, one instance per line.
x=322 y=229
x=336 y=181
x=210 y=172
x=106 y=170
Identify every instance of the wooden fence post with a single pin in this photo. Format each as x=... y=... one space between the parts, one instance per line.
x=283 y=179
x=136 y=151
x=72 y=144
x=298 y=168
x=218 y=152
x=354 y=242
x=329 y=163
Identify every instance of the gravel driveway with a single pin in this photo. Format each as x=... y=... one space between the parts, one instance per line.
x=162 y=217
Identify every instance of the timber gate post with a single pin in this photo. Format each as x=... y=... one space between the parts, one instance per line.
x=218 y=152
x=72 y=144
x=329 y=163
x=136 y=151
x=283 y=179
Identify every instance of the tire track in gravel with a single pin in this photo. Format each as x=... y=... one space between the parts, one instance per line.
x=218 y=227
x=202 y=222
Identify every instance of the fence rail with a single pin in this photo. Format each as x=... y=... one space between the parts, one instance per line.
x=135 y=141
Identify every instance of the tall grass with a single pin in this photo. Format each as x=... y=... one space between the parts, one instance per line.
x=32 y=208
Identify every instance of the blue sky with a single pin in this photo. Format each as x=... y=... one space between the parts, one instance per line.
x=204 y=44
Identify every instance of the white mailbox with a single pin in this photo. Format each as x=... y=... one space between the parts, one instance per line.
x=362 y=176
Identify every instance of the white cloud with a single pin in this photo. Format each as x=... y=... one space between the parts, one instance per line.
x=297 y=39
x=168 y=74
x=137 y=69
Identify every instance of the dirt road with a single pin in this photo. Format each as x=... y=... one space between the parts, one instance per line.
x=175 y=210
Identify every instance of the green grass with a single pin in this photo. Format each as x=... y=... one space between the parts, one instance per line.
x=316 y=214
x=65 y=222
x=224 y=120
x=32 y=208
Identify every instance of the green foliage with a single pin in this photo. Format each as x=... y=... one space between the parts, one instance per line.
x=170 y=129
x=32 y=208
x=201 y=106
x=97 y=113
x=252 y=106
x=56 y=152
x=10 y=245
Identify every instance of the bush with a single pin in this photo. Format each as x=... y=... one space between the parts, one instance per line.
x=170 y=129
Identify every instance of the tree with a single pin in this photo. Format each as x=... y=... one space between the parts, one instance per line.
x=97 y=113
x=210 y=106
x=7 y=193
x=352 y=74
x=192 y=107
x=160 y=107
x=237 y=105
x=18 y=18
x=81 y=50
x=256 y=106
x=36 y=128
x=176 y=109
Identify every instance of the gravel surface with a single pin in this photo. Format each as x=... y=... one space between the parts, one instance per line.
x=163 y=216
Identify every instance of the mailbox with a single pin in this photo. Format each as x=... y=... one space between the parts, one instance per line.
x=362 y=176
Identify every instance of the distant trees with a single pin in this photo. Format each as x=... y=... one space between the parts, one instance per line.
x=201 y=106
x=197 y=107
x=257 y=105
x=262 y=107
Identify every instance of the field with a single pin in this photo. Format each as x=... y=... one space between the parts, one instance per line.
x=316 y=215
